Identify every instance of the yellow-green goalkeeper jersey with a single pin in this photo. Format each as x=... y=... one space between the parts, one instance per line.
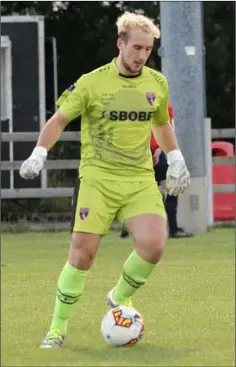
x=116 y=117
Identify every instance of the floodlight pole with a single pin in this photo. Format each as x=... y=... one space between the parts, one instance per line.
x=182 y=53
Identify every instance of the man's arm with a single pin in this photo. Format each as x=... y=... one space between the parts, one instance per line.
x=48 y=137
x=162 y=130
x=165 y=136
x=156 y=155
x=177 y=176
x=52 y=130
x=72 y=104
x=167 y=141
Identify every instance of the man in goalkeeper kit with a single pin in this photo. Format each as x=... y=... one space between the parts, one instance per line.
x=120 y=103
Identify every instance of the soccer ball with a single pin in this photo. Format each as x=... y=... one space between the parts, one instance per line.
x=122 y=326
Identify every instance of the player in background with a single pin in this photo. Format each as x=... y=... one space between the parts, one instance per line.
x=171 y=201
x=120 y=103
x=159 y=163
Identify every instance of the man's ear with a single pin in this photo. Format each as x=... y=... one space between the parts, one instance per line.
x=119 y=43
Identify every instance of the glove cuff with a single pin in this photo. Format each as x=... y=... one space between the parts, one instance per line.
x=40 y=151
x=174 y=155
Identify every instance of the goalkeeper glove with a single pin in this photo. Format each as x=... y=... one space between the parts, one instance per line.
x=32 y=166
x=177 y=176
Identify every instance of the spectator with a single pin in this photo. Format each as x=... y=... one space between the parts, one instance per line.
x=171 y=202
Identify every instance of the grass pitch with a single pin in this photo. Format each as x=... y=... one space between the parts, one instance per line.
x=188 y=303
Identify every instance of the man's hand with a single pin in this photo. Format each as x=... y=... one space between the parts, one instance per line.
x=177 y=176
x=34 y=164
x=156 y=155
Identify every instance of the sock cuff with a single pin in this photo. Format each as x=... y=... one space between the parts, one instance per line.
x=71 y=280
x=140 y=260
x=74 y=271
x=137 y=267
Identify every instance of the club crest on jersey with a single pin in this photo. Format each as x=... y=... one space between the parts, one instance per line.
x=83 y=213
x=151 y=97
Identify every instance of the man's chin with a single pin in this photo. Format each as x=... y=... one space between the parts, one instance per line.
x=133 y=69
x=136 y=69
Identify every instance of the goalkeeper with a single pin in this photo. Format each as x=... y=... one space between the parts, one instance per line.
x=120 y=103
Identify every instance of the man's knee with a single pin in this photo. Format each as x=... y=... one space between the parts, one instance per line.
x=150 y=235
x=151 y=246
x=83 y=249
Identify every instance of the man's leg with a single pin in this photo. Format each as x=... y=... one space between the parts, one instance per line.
x=160 y=170
x=149 y=233
x=171 y=209
x=171 y=203
x=171 y=206
x=71 y=282
x=87 y=227
x=147 y=225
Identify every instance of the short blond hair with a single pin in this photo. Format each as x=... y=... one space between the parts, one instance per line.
x=128 y=21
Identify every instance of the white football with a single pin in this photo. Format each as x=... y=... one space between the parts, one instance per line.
x=122 y=326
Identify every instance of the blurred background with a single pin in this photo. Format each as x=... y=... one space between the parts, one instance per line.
x=45 y=47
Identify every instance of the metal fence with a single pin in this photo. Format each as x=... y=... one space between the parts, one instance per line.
x=66 y=164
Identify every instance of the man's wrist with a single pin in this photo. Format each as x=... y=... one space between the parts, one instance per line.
x=40 y=151
x=174 y=155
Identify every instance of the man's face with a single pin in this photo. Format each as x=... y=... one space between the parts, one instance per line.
x=136 y=50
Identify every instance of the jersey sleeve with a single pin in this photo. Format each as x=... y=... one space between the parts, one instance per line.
x=74 y=101
x=161 y=117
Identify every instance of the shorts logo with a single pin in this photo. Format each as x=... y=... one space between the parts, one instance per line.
x=151 y=97
x=83 y=213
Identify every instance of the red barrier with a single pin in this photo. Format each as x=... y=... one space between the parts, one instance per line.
x=223 y=203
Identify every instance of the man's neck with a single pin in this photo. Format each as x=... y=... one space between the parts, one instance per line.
x=123 y=70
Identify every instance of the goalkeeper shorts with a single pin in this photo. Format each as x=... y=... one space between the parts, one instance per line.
x=97 y=202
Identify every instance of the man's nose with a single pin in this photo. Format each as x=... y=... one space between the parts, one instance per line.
x=142 y=55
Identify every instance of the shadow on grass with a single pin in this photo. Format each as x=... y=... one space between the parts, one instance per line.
x=140 y=355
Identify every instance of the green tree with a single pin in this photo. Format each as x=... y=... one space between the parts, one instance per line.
x=219 y=26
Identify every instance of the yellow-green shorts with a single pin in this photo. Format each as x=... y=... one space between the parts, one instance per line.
x=97 y=202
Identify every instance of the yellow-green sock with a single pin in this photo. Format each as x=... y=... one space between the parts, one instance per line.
x=135 y=273
x=70 y=287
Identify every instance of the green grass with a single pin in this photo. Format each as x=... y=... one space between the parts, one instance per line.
x=188 y=303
